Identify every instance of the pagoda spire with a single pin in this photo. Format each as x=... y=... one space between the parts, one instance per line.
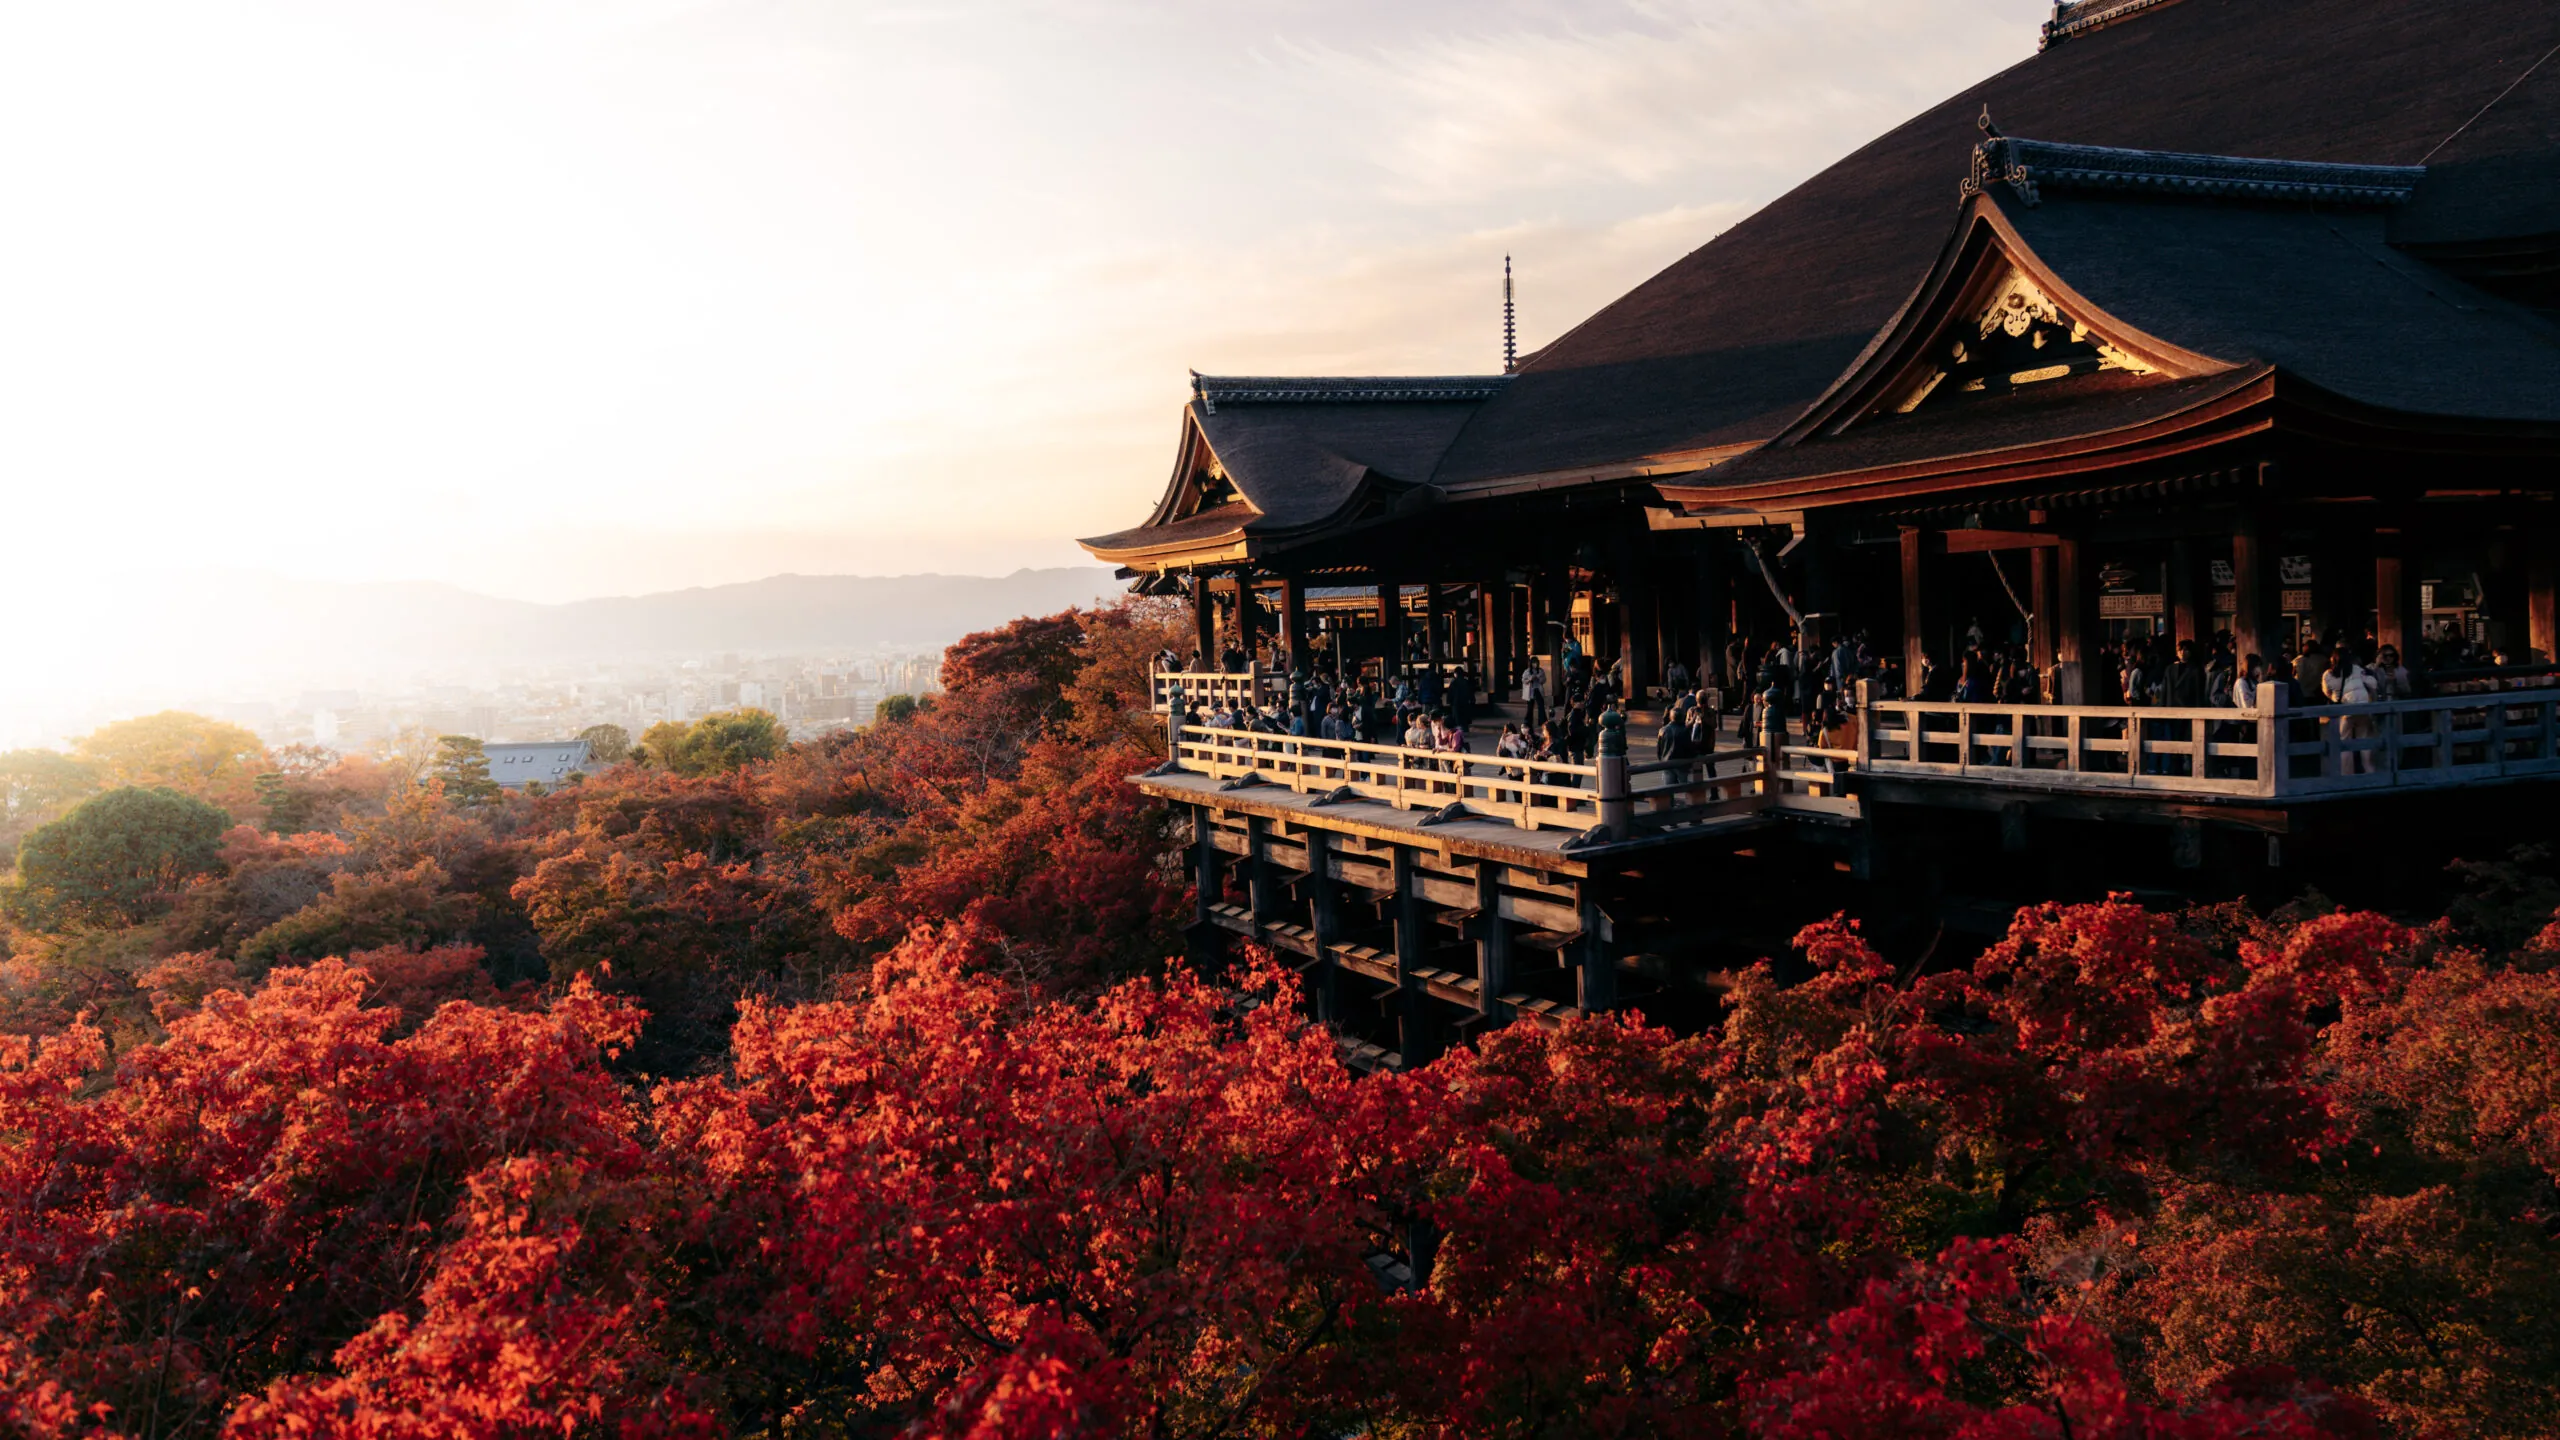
x=1510 y=330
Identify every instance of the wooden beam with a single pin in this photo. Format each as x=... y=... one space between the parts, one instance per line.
x=1965 y=542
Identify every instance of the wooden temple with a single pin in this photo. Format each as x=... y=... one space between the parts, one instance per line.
x=2216 y=318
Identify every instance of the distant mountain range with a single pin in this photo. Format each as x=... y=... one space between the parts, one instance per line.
x=778 y=614
x=232 y=629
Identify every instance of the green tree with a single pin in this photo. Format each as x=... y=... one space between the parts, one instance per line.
x=897 y=710
x=462 y=763
x=607 y=744
x=716 y=743
x=116 y=859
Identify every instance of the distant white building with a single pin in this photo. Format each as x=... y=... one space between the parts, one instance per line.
x=516 y=764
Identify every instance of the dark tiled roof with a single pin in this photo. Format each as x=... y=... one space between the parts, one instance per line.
x=2315 y=293
x=1303 y=453
x=1733 y=341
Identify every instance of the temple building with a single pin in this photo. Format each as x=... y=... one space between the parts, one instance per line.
x=2221 y=321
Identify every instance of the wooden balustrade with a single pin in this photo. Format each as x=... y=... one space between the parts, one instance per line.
x=1530 y=794
x=2265 y=753
x=2418 y=744
x=1209 y=689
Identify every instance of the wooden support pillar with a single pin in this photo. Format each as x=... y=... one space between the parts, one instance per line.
x=1248 y=614
x=1431 y=618
x=1261 y=884
x=1596 y=981
x=2190 y=593
x=1204 y=615
x=1416 y=1038
x=1208 y=865
x=2396 y=617
x=1493 y=943
x=2541 y=601
x=1918 y=606
x=1293 y=621
x=1715 y=608
x=1499 y=626
x=2072 y=614
x=1391 y=619
x=2257 y=587
x=2041 y=593
x=1635 y=620
x=1324 y=903
x=2508 y=601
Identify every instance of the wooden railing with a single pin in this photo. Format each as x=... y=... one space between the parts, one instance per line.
x=2418 y=744
x=1530 y=794
x=2266 y=753
x=1625 y=798
x=1209 y=689
x=2079 y=747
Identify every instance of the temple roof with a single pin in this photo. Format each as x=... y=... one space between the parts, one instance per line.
x=2247 y=180
x=1728 y=344
x=2217 y=289
x=1298 y=453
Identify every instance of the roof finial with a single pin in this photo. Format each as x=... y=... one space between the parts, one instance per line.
x=1510 y=331
x=1983 y=122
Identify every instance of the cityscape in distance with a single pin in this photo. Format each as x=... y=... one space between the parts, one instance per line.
x=353 y=667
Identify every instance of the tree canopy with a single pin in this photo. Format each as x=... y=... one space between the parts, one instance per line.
x=120 y=857
x=718 y=742
x=210 y=759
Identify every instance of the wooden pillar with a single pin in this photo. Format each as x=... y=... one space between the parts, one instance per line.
x=1204 y=615
x=1915 y=606
x=1207 y=864
x=1293 y=621
x=2041 y=594
x=2508 y=601
x=1261 y=885
x=1635 y=620
x=1499 y=601
x=2396 y=618
x=2257 y=587
x=1431 y=618
x=1493 y=942
x=2072 y=614
x=1596 y=982
x=1416 y=1039
x=2190 y=593
x=1324 y=899
x=2542 y=602
x=1391 y=619
x=1248 y=609
x=1715 y=608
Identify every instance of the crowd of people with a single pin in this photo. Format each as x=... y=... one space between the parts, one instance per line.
x=1805 y=688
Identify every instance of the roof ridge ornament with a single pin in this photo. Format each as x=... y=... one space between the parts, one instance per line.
x=2029 y=167
x=1993 y=161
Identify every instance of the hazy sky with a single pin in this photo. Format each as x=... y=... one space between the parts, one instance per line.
x=608 y=296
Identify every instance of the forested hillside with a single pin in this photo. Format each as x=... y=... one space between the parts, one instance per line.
x=851 y=1088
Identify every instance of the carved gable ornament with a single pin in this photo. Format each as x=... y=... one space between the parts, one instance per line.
x=2017 y=338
